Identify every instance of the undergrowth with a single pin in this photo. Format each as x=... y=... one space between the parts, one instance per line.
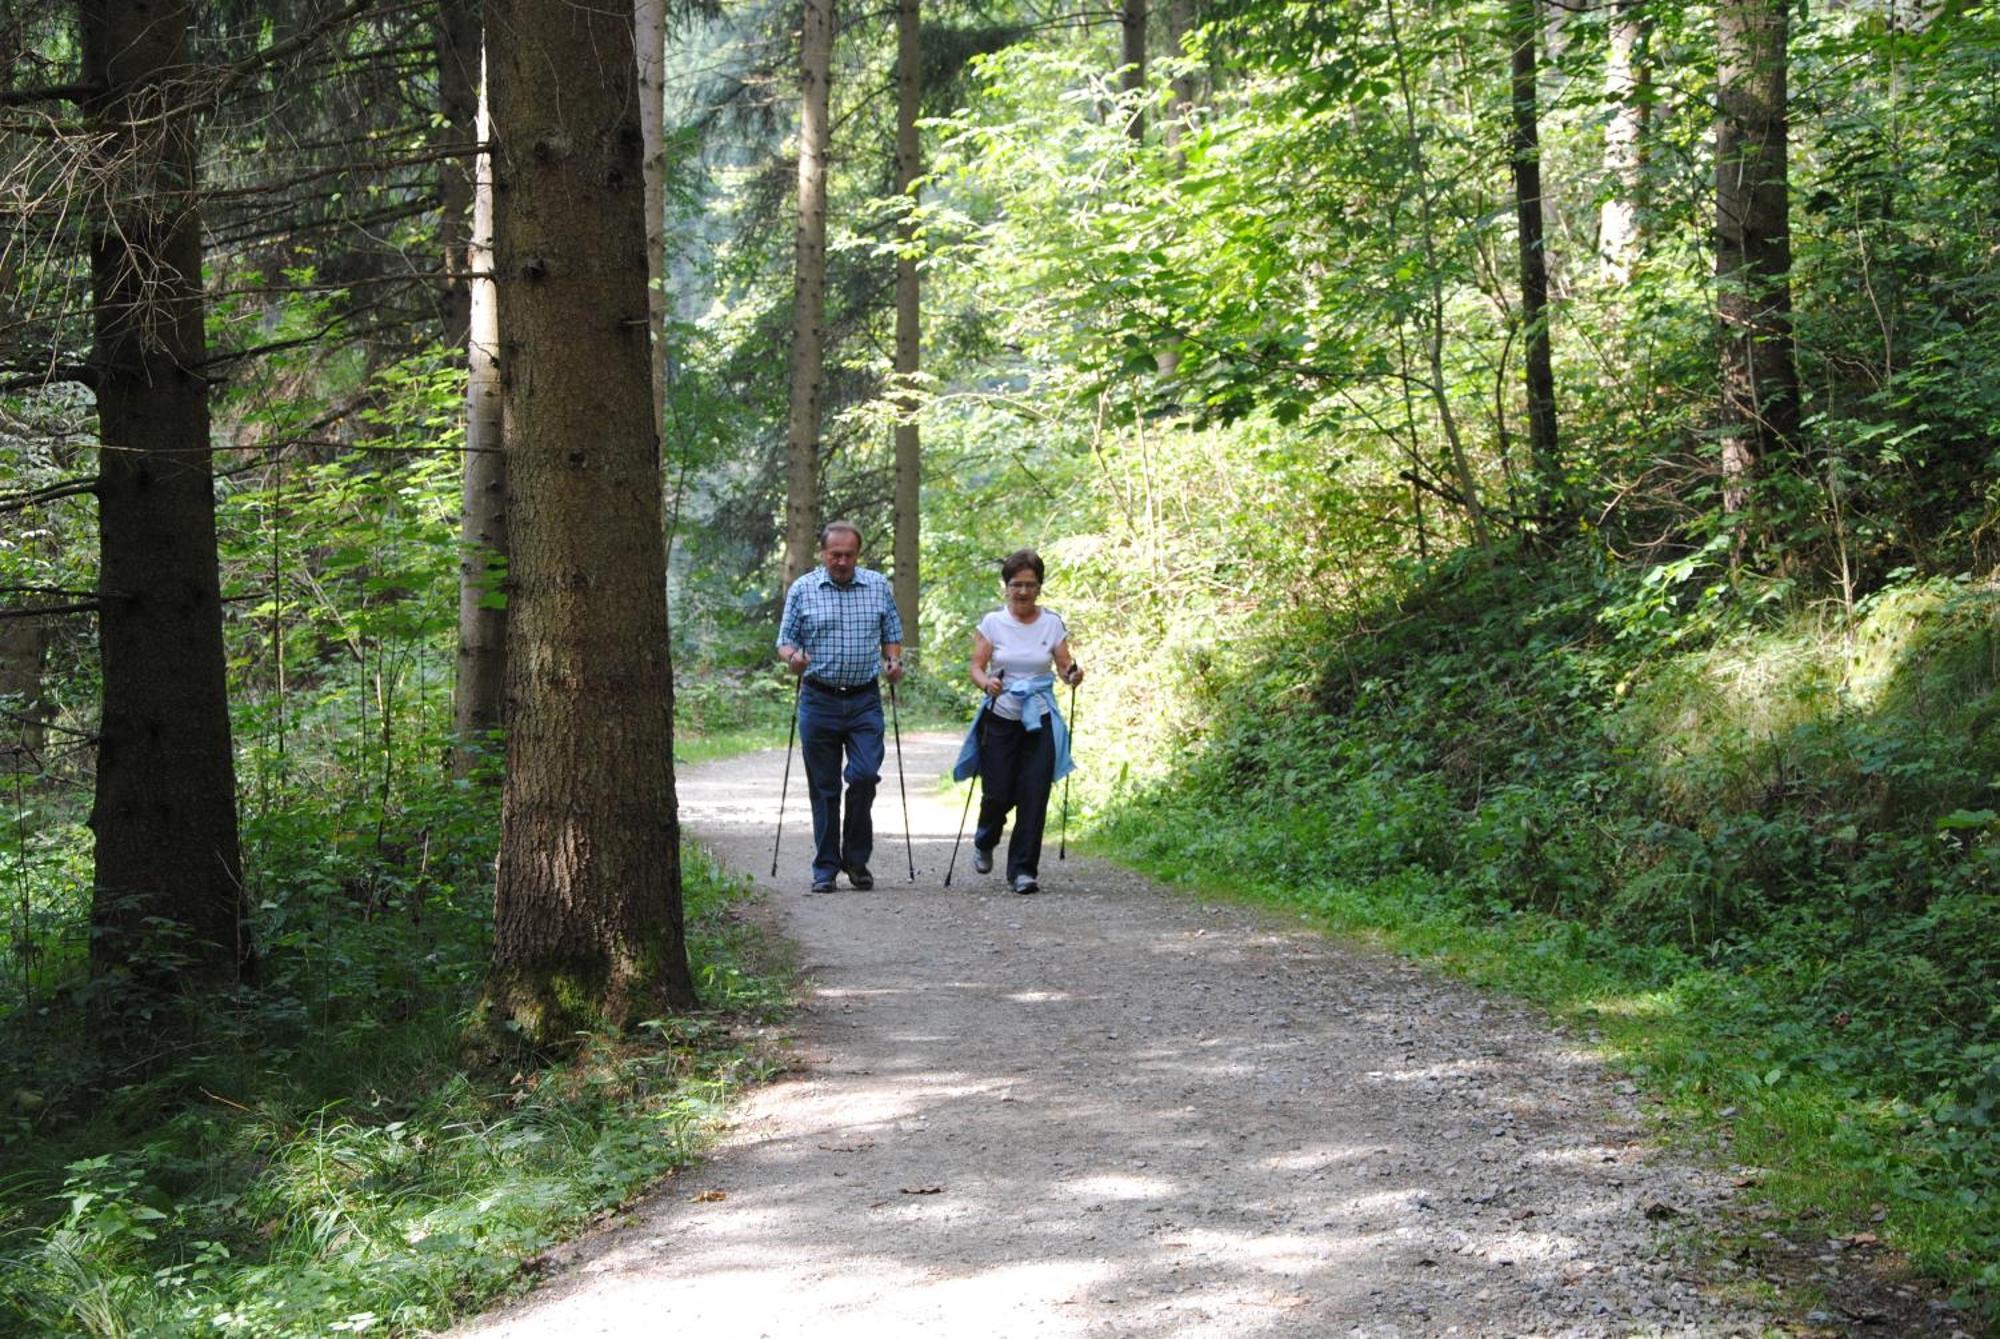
x=1757 y=848
x=315 y=1155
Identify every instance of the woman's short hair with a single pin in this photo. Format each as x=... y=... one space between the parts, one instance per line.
x=1022 y=560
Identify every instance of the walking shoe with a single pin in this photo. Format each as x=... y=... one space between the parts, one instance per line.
x=982 y=860
x=1025 y=883
x=822 y=885
x=859 y=876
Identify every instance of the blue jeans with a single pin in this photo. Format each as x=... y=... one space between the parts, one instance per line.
x=829 y=726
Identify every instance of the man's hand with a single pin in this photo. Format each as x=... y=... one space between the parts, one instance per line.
x=796 y=660
x=892 y=669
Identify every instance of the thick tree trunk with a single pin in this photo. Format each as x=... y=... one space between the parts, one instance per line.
x=1628 y=79
x=588 y=929
x=479 y=692
x=909 y=453
x=456 y=32
x=1543 y=449
x=1132 y=58
x=808 y=294
x=167 y=903
x=1753 y=253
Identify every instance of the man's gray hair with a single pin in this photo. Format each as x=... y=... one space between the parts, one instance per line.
x=831 y=528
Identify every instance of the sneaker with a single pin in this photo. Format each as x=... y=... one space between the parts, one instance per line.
x=859 y=876
x=1025 y=883
x=822 y=885
x=982 y=860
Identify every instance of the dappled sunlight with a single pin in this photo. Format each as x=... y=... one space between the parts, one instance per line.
x=1647 y=1005
x=1048 y=1115
x=1116 y=1187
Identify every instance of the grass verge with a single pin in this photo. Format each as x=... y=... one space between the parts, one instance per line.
x=348 y=1175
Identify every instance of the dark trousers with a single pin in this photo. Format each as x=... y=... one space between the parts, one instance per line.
x=1017 y=769
x=830 y=726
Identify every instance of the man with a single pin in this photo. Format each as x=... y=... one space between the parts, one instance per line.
x=842 y=632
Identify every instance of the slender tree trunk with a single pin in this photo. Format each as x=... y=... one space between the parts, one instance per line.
x=588 y=930
x=479 y=693
x=808 y=294
x=1180 y=23
x=909 y=331
x=1753 y=254
x=649 y=30
x=167 y=903
x=1543 y=448
x=1132 y=58
x=1628 y=88
x=1434 y=315
x=24 y=650
x=456 y=31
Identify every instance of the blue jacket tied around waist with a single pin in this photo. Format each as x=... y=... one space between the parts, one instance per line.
x=1038 y=707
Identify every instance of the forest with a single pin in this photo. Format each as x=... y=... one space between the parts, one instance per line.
x=1524 y=476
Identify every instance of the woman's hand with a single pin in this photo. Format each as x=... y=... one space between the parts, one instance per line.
x=993 y=684
x=1073 y=675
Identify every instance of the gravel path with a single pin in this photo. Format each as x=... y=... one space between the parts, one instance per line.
x=1111 y=1109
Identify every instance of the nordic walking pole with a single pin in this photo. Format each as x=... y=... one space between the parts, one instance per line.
x=896 y=718
x=790 y=739
x=970 y=787
x=1062 y=846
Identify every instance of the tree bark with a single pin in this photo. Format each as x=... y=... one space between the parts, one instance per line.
x=1753 y=254
x=479 y=691
x=588 y=930
x=649 y=29
x=167 y=903
x=456 y=33
x=1628 y=77
x=808 y=294
x=1132 y=59
x=24 y=650
x=1180 y=23
x=909 y=331
x=1543 y=448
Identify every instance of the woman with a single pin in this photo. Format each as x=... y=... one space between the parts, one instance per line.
x=1019 y=742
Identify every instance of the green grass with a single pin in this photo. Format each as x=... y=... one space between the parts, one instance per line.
x=323 y=1166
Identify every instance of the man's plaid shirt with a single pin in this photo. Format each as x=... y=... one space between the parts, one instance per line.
x=842 y=629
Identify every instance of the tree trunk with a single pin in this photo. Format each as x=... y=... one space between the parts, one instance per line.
x=1543 y=448
x=456 y=26
x=24 y=650
x=479 y=691
x=808 y=294
x=167 y=902
x=1753 y=254
x=1180 y=23
x=1132 y=59
x=909 y=455
x=649 y=31
x=587 y=913
x=1628 y=79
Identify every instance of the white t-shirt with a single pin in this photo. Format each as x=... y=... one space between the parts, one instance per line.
x=1020 y=651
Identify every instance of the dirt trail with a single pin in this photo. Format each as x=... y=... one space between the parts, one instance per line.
x=1110 y=1109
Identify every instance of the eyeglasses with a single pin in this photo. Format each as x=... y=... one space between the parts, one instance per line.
x=1024 y=586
